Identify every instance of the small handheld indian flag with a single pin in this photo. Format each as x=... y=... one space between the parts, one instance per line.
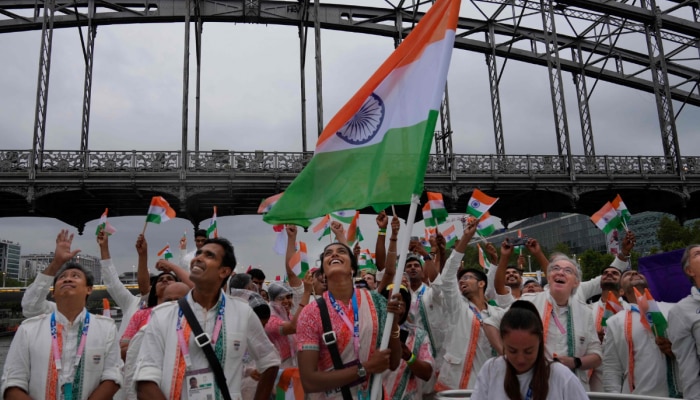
x=323 y=228
x=483 y=259
x=354 y=233
x=437 y=207
x=450 y=236
x=486 y=225
x=159 y=211
x=606 y=219
x=299 y=263
x=651 y=313
x=612 y=307
x=105 y=225
x=165 y=252
x=212 y=231
x=105 y=308
x=344 y=216
x=266 y=204
x=479 y=203
x=622 y=210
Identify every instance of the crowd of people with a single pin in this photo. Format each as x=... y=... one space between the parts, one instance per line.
x=197 y=330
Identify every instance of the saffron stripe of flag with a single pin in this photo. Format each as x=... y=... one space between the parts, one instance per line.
x=266 y=204
x=212 y=231
x=612 y=307
x=374 y=151
x=479 y=203
x=159 y=211
x=483 y=258
x=105 y=308
x=606 y=219
x=437 y=207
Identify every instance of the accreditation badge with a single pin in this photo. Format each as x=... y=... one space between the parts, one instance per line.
x=200 y=384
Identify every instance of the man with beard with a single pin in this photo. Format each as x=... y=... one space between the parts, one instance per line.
x=649 y=369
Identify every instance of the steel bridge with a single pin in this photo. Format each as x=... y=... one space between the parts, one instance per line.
x=644 y=45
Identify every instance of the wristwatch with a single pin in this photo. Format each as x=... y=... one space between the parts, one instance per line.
x=577 y=362
x=361 y=371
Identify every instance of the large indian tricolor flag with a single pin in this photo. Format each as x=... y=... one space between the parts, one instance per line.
x=374 y=151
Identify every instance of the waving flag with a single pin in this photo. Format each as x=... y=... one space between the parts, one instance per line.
x=428 y=215
x=344 y=216
x=105 y=308
x=266 y=204
x=479 y=203
x=374 y=151
x=288 y=385
x=437 y=207
x=652 y=318
x=486 y=225
x=450 y=237
x=606 y=219
x=354 y=233
x=105 y=225
x=299 y=263
x=211 y=230
x=366 y=260
x=612 y=307
x=280 y=246
x=159 y=211
x=324 y=227
x=165 y=252
x=621 y=209
x=483 y=259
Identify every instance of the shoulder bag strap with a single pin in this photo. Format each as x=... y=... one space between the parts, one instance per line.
x=329 y=338
x=204 y=342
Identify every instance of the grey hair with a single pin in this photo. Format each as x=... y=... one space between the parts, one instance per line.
x=685 y=260
x=563 y=257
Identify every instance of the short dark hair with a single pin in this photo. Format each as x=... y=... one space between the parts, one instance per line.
x=262 y=311
x=515 y=267
x=89 y=278
x=229 y=258
x=200 y=233
x=152 y=297
x=479 y=273
x=257 y=273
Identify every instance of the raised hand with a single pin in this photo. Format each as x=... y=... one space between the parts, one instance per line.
x=382 y=220
x=141 y=245
x=62 y=254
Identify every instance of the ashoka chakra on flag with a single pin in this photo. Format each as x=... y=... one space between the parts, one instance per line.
x=365 y=124
x=475 y=204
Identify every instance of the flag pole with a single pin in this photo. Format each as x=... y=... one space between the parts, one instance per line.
x=145 y=225
x=403 y=245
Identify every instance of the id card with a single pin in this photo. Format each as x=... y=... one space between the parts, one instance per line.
x=200 y=384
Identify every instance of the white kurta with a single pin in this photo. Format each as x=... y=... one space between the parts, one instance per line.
x=649 y=361
x=684 y=334
x=27 y=362
x=243 y=332
x=460 y=319
x=562 y=383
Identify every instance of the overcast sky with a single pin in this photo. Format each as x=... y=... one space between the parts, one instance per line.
x=250 y=101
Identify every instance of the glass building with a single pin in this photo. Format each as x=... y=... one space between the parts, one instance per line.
x=9 y=259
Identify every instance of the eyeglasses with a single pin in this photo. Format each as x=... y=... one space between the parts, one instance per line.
x=566 y=270
x=466 y=277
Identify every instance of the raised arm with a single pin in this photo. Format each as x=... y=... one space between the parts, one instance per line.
x=339 y=232
x=432 y=268
x=534 y=248
x=380 y=246
x=182 y=274
x=290 y=327
x=142 y=276
x=121 y=295
x=391 y=256
x=294 y=280
x=34 y=300
x=499 y=281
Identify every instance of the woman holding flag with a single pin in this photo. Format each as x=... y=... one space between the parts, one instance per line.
x=357 y=318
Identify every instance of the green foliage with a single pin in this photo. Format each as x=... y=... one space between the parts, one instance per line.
x=593 y=263
x=673 y=236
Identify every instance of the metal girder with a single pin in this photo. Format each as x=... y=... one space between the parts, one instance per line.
x=319 y=72
x=583 y=107
x=664 y=106
x=186 y=81
x=375 y=21
x=555 y=84
x=495 y=95
x=87 y=86
x=42 y=86
x=303 y=35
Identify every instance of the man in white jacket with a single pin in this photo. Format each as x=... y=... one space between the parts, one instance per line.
x=684 y=327
x=67 y=353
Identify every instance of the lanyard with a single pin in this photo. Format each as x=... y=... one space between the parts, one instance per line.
x=54 y=341
x=415 y=306
x=355 y=326
x=184 y=348
x=477 y=313
x=529 y=394
x=562 y=330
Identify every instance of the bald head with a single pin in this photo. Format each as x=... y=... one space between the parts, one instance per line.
x=175 y=291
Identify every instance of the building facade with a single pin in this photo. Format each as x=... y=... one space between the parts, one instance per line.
x=33 y=264
x=9 y=259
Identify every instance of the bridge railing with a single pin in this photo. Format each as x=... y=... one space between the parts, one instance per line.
x=154 y=161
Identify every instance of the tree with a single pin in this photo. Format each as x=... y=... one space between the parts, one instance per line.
x=672 y=235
